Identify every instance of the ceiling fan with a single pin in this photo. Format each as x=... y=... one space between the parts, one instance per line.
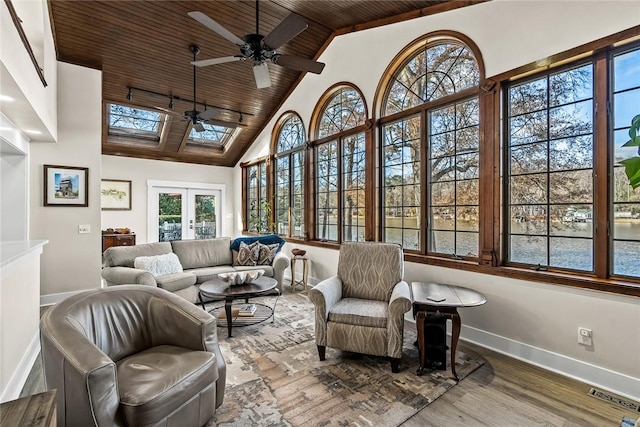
x=199 y=118
x=262 y=49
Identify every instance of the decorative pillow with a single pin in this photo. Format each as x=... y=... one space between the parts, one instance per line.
x=247 y=254
x=266 y=253
x=159 y=265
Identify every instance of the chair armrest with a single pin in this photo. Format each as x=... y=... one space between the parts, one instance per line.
x=127 y=276
x=82 y=373
x=280 y=263
x=400 y=301
x=326 y=294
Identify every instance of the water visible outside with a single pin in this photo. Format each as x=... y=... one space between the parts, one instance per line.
x=570 y=244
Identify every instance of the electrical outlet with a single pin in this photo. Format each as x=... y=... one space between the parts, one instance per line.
x=584 y=337
x=84 y=229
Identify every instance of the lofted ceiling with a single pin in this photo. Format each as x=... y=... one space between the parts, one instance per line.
x=145 y=45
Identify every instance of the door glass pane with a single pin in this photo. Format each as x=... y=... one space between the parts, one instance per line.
x=205 y=220
x=169 y=216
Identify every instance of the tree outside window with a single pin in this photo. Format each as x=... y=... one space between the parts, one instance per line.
x=340 y=168
x=289 y=177
x=437 y=79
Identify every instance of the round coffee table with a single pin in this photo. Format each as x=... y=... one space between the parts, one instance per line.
x=218 y=289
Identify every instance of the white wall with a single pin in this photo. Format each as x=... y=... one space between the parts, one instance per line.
x=533 y=321
x=19 y=72
x=72 y=261
x=138 y=171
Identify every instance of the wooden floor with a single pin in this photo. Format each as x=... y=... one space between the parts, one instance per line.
x=502 y=392
x=508 y=392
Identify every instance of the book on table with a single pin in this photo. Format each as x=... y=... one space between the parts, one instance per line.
x=246 y=310
x=243 y=310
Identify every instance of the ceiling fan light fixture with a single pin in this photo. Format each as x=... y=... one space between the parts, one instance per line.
x=261 y=49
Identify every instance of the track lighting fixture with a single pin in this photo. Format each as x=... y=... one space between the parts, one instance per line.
x=178 y=98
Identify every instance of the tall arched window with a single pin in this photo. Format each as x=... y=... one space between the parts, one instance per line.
x=290 y=143
x=340 y=166
x=430 y=149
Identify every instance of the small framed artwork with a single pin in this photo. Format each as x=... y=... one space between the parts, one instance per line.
x=66 y=186
x=115 y=195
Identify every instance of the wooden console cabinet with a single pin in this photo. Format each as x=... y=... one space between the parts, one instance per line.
x=109 y=240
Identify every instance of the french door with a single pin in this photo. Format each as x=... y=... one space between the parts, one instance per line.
x=180 y=213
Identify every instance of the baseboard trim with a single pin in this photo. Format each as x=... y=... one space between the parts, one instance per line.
x=21 y=373
x=615 y=382
x=51 y=299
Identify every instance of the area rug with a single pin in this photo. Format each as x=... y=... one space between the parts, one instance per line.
x=274 y=377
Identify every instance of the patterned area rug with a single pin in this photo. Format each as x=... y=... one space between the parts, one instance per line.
x=274 y=377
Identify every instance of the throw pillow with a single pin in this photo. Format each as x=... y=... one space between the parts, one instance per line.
x=159 y=265
x=266 y=253
x=247 y=254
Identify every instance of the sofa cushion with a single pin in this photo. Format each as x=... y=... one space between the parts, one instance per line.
x=247 y=254
x=159 y=265
x=208 y=273
x=203 y=253
x=175 y=282
x=157 y=381
x=123 y=256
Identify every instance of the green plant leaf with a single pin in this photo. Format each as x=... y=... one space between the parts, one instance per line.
x=632 y=169
x=633 y=142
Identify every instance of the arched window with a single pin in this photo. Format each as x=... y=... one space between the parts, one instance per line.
x=289 y=158
x=430 y=147
x=340 y=166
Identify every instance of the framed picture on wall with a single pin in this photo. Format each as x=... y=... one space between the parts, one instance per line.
x=66 y=186
x=115 y=195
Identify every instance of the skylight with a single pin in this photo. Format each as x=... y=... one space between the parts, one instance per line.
x=135 y=122
x=213 y=135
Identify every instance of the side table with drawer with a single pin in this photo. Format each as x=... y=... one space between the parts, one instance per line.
x=109 y=240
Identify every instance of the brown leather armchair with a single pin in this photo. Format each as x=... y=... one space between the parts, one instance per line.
x=132 y=356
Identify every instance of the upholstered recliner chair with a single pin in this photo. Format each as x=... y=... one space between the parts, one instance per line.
x=132 y=356
x=362 y=308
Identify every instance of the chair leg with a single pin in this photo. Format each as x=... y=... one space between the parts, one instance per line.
x=395 y=364
x=321 y=350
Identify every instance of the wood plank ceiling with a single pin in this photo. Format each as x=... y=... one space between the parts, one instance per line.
x=145 y=45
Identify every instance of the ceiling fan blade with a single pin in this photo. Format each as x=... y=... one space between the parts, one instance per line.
x=198 y=127
x=213 y=25
x=261 y=74
x=300 y=64
x=286 y=30
x=207 y=114
x=222 y=123
x=214 y=61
